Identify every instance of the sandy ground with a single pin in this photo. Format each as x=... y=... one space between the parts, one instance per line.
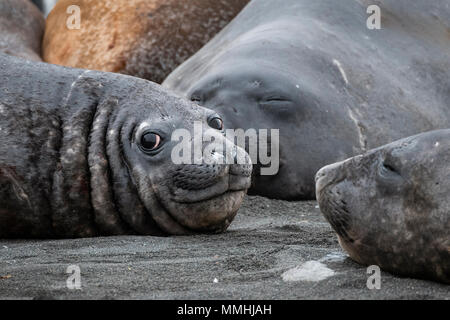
x=273 y=250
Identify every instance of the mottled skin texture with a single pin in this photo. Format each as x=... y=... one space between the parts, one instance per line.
x=142 y=38
x=391 y=206
x=72 y=162
x=21 y=29
x=333 y=87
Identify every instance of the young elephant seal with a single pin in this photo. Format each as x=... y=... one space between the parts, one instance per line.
x=21 y=29
x=86 y=153
x=391 y=206
x=142 y=38
x=333 y=87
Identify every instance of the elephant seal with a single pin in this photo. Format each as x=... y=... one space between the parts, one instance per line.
x=21 y=29
x=142 y=38
x=391 y=206
x=45 y=5
x=87 y=153
x=334 y=88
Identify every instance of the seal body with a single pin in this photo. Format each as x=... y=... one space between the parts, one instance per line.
x=45 y=5
x=85 y=153
x=333 y=87
x=142 y=38
x=21 y=29
x=391 y=206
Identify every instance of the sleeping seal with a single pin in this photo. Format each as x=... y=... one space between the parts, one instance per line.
x=391 y=206
x=21 y=29
x=334 y=88
x=87 y=153
x=142 y=38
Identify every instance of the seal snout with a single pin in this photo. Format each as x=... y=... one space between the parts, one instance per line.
x=197 y=177
x=328 y=176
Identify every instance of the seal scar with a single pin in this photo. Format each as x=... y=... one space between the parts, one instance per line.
x=341 y=70
x=362 y=138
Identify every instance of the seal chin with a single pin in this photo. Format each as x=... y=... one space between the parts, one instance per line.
x=208 y=216
x=209 y=203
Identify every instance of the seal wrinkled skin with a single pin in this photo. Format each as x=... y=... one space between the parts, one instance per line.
x=333 y=87
x=391 y=206
x=86 y=153
x=21 y=29
x=142 y=38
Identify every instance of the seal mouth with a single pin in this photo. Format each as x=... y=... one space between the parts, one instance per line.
x=211 y=198
x=235 y=183
x=328 y=176
x=212 y=215
x=331 y=201
x=211 y=208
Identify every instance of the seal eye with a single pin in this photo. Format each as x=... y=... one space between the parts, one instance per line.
x=216 y=123
x=276 y=99
x=387 y=170
x=150 y=141
x=196 y=98
x=390 y=168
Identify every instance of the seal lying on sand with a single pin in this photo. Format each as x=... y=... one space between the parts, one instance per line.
x=391 y=206
x=21 y=29
x=334 y=88
x=142 y=38
x=85 y=153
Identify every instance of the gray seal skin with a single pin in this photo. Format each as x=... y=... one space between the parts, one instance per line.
x=391 y=206
x=22 y=27
x=85 y=153
x=334 y=88
x=45 y=5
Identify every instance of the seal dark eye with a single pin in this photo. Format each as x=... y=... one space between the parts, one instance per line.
x=196 y=98
x=388 y=170
x=150 y=141
x=216 y=123
x=276 y=103
x=276 y=99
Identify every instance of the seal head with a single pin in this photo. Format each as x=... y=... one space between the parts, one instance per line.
x=108 y=154
x=390 y=207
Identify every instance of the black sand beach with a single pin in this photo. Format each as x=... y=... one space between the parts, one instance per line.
x=273 y=250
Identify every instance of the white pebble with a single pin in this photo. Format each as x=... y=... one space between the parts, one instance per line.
x=312 y=271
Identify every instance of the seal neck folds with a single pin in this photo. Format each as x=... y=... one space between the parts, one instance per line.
x=92 y=190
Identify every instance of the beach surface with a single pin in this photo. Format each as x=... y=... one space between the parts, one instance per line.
x=273 y=250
